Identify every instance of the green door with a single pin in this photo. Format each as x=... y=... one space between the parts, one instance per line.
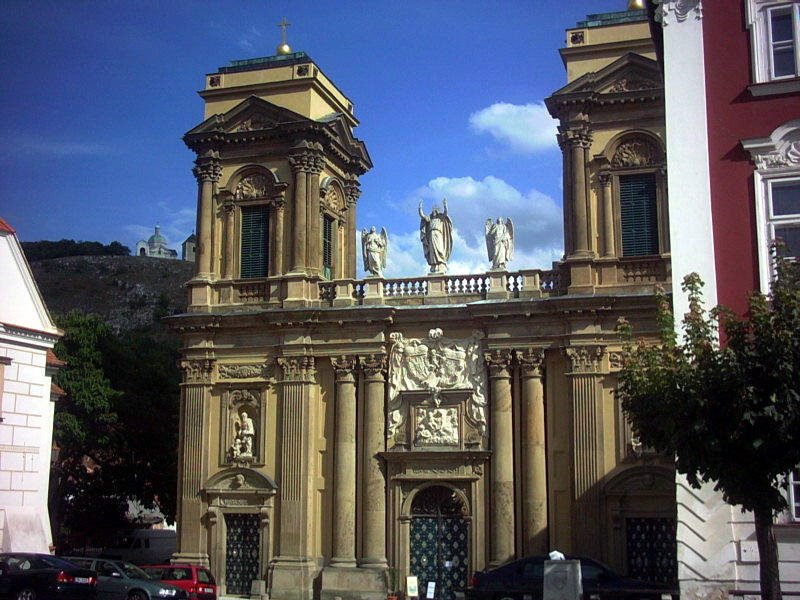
x=439 y=542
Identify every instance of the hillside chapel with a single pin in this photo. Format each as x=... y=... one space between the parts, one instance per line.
x=340 y=434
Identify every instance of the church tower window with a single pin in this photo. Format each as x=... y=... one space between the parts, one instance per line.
x=255 y=225
x=327 y=246
x=638 y=214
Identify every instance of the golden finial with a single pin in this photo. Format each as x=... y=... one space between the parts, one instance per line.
x=283 y=48
x=635 y=4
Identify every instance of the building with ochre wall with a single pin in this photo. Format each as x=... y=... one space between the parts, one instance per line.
x=339 y=434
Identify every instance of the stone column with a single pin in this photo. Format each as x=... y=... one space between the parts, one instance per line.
x=501 y=427
x=534 y=461
x=587 y=433
x=207 y=170
x=373 y=543
x=192 y=463
x=579 y=139
x=229 y=210
x=608 y=215
x=353 y=192
x=313 y=223
x=295 y=567
x=299 y=163
x=277 y=236
x=344 y=464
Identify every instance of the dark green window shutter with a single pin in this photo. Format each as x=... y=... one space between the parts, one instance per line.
x=255 y=225
x=638 y=214
x=327 y=246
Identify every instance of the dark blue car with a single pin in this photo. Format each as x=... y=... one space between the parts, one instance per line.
x=29 y=576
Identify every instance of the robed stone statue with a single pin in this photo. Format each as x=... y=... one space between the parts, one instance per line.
x=499 y=242
x=436 y=233
x=374 y=248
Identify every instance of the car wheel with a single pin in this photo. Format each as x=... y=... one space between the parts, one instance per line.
x=26 y=594
x=137 y=595
x=505 y=597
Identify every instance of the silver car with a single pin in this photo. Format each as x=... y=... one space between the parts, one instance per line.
x=121 y=580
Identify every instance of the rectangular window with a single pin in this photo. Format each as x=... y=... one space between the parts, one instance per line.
x=784 y=213
x=327 y=246
x=255 y=227
x=794 y=493
x=638 y=214
x=783 y=40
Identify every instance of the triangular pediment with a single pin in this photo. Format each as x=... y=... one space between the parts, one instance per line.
x=343 y=134
x=629 y=73
x=252 y=114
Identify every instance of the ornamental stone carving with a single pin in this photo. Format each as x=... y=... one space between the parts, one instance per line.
x=436 y=427
x=298 y=369
x=240 y=371
x=635 y=153
x=308 y=161
x=352 y=191
x=243 y=414
x=344 y=367
x=585 y=359
x=787 y=156
x=577 y=135
x=254 y=123
x=208 y=167
x=681 y=9
x=633 y=84
x=435 y=365
x=253 y=186
x=530 y=361
x=197 y=371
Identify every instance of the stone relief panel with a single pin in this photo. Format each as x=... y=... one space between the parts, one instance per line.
x=436 y=365
x=436 y=427
x=241 y=371
x=253 y=186
x=636 y=153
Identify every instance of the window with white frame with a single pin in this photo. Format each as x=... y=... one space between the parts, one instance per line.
x=777 y=193
x=775 y=39
x=794 y=493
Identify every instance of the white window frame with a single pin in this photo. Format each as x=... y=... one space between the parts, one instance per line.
x=794 y=494
x=759 y=21
x=777 y=159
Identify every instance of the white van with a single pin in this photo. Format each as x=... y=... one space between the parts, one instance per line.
x=146 y=546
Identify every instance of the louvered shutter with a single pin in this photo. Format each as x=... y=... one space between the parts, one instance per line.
x=327 y=246
x=255 y=221
x=638 y=214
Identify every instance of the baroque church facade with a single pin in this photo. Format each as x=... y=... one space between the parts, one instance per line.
x=338 y=435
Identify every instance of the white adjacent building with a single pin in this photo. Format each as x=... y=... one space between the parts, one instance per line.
x=27 y=336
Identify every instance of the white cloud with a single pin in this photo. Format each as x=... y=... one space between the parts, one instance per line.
x=526 y=128
x=537 y=222
x=248 y=39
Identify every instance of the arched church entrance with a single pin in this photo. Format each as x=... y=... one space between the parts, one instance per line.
x=439 y=544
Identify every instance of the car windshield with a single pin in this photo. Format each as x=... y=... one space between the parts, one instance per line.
x=132 y=570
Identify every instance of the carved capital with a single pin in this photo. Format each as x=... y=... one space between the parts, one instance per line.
x=306 y=161
x=344 y=367
x=208 y=168
x=498 y=362
x=530 y=362
x=298 y=369
x=352 y=190
x=575 y=137
x=605 y=178
x=373 y=366
x=679 y=9
x=197 y=370
x=585 y=359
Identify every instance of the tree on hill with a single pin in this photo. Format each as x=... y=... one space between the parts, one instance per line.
x=45 y=249
x=730 y=413
x=116 y=429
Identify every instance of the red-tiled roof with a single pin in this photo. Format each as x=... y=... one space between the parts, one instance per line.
x=53 y=360
x=57 y=391
x=4 y=226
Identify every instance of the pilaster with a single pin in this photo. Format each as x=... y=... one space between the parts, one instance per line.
x=502 y=463
x=296 y=566
x=207 y=170
x=534 y=467
x=192 y=460
x=587 y=432
x=352 y=189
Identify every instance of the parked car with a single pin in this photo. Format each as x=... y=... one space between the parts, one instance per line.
x=523 y=579
x=197 y=581
x=29 y=576
x=121 y=580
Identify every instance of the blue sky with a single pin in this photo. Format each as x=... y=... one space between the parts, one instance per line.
x=96 y=96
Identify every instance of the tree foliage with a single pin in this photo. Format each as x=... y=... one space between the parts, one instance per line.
x=730 y=412
x=45 y=249
x=116 y=429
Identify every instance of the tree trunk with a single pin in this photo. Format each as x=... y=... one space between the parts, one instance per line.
x=768 y=555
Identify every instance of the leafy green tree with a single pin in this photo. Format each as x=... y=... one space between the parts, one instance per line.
x=729 y=413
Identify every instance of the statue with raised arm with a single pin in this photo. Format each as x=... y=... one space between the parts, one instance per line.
x=436 y=233
x=374 y=248
x=499 y=242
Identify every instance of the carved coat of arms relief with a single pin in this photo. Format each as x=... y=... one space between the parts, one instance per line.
x=435 y=365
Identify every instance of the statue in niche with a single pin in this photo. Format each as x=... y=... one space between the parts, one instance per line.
x=374 y=248
x=437 y=426
x=499 y=242
x=436 y=233
x=242 y=446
